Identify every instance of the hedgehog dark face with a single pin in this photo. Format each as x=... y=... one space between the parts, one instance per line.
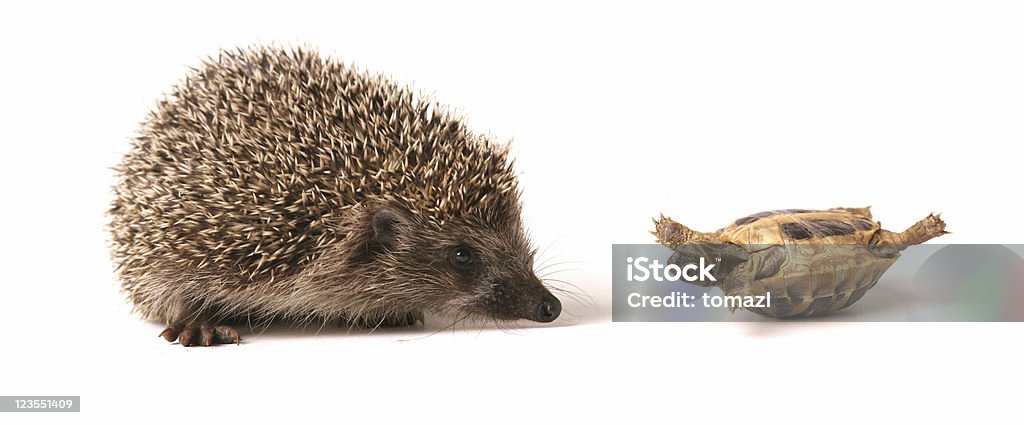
x=465 y=266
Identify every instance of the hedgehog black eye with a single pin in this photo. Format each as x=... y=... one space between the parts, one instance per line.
x=462 y=257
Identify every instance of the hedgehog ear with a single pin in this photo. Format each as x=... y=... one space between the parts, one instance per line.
x=385 y=224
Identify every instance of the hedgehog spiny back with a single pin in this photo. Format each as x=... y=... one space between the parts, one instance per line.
x=251 y=164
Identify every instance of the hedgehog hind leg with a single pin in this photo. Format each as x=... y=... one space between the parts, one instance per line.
x=198 y=329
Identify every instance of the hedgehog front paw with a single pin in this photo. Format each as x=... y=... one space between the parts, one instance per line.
x=401 y=321
x=188 y=334
x=392 y=320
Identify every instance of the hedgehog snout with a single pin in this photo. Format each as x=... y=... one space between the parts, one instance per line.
x=520 y=298
x=548 y=309
x=540 y=305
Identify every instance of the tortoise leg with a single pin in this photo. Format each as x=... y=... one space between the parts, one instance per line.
x=930 y=227
x=672 y=234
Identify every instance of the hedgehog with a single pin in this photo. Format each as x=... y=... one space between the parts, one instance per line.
x=278 y=184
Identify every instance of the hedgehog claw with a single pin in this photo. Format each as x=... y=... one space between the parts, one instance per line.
x=171 y=333
x=391 y=321
x=200 y=334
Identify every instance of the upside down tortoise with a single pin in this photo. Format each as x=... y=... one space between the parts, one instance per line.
x=812 y=262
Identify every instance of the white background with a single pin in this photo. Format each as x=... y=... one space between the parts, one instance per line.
x=705 y=111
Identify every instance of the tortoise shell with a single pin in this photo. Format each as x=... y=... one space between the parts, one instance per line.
x=818 y=278
x=808 y=262
x=834 y=226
